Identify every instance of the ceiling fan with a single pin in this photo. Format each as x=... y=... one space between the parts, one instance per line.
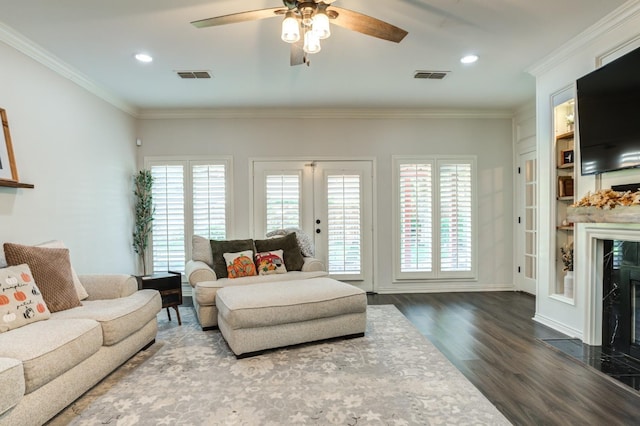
x=306 y=22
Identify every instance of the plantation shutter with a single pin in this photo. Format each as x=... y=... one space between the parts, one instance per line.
x=209 y=201
x=344 y=224
x=416 y=217
x=168 y=236
x=455 y=217
x=282 y=201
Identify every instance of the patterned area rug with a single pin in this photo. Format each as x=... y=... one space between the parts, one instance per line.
x=392 y=376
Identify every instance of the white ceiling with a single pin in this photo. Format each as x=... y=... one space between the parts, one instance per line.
x=250 y=63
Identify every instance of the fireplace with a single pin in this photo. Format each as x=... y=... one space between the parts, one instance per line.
x=621 y=298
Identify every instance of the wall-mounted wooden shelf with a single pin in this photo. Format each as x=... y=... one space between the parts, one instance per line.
x=568 y=135
x=14 y=184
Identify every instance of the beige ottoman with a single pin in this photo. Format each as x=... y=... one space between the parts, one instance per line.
x=256 y=317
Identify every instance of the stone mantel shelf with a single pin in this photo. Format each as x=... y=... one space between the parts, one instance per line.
x=619 y=214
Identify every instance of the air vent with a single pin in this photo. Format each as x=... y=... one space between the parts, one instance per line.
x=431 y=75
x=193 y=74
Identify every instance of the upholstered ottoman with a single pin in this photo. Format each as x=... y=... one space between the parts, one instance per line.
x=256 y=317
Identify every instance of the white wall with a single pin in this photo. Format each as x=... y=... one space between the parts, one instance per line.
x=243 y=138
x=79 y=152
x=553 y=75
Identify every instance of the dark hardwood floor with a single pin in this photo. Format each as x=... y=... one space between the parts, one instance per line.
x=492 y=340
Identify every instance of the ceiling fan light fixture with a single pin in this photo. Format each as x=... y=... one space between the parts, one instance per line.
x=290 y=28
x=311 y=42
x=321 y=25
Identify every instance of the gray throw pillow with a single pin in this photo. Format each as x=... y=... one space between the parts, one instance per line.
x=293 y=259
x=219 y=248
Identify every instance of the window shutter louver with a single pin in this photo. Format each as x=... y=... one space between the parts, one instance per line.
x=209 y=201
x=455 y=217
x=282 y=202
x=343 y=224
x=168 y=223
x=416 y=217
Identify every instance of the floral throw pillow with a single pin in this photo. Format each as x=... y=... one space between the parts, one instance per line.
x=270 y=262
x=240 y=264
x=21 y=302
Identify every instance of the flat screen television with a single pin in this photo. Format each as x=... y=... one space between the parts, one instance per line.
x=608 y=102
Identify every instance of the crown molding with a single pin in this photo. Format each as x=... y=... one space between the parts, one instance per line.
x=622 y=14
x=323 y=113
x=36 y=52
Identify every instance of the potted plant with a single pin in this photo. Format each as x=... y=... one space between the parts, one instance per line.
x=567 y=260
x=144 y=210
x=570 y=121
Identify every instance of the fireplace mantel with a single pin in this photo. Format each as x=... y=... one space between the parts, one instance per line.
x=619 y=214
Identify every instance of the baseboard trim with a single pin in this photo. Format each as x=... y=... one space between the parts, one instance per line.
x=402 y=288
x=553 y=324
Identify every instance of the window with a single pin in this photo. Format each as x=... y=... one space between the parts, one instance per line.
x=282 y=201
x=343 y=224
x=190 y=198
x=434 y=217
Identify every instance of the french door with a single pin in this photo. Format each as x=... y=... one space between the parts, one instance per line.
x=527 y=205
x=331 y=201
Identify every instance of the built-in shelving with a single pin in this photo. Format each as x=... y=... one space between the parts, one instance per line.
x=564 y=164
x=14 y=184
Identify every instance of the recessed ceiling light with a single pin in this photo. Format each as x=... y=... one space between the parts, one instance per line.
x=469 y=59
x=143 y=57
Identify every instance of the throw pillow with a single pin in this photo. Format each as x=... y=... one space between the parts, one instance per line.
x=270 y=262
x=219 y=248
x=304 y=240
x=51 y=269
x=289 y=245
x=82 y=292
x=240 y=264
x=201 y=250
x=21 y=302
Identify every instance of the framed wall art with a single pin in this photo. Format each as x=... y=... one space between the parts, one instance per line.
x=8 y=170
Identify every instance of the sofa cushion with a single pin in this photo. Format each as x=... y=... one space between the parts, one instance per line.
x=120 y=317
x=205 y=291
x=201 y=250
x=218 y=248
x=21 y=302
x=293 y=259
x=270 y=262
x=288 y=302
x=51 y=270
x=240 y=264
x=49 y=348
x=11 y=383
x=82 y=292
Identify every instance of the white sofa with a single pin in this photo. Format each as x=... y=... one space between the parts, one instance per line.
x=202 y=277
x=46 y=365
x=205 y=285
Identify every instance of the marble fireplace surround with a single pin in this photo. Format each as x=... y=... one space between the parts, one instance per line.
x=589 y=253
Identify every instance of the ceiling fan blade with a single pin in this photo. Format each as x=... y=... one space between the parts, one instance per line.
x=364 y=24
x=253 y=15
x=297 y=53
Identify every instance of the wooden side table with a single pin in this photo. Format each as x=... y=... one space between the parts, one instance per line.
x=169 y=284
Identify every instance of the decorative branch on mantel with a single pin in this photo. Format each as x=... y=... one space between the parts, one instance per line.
x=606 y=206
x=609 y=199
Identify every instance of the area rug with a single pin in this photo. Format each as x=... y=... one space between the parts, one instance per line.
x=392 y=376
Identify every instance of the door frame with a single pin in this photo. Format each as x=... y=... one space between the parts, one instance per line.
x=311 y=158
x=521 y=281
